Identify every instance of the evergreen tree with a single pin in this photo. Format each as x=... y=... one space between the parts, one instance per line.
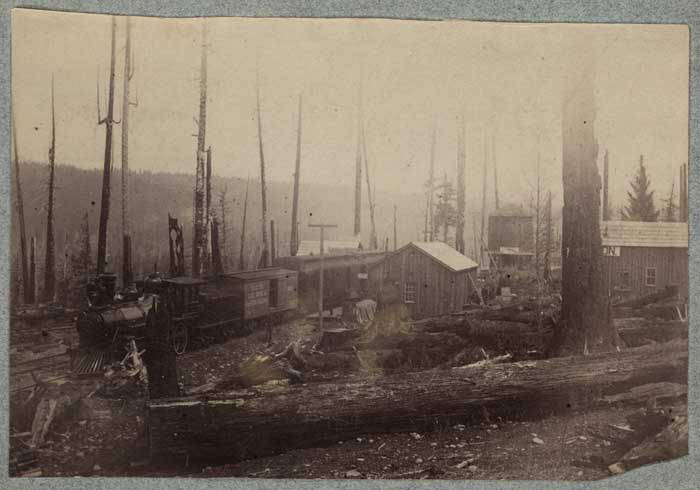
x=670 y=206
x=445 y=211
x=641 y=199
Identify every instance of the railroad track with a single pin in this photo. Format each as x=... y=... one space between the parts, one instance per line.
x=27 y=374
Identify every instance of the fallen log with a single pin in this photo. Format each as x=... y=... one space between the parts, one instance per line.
x=246 y=424
x=667 y=292
x=670 y=443
x=640 y=331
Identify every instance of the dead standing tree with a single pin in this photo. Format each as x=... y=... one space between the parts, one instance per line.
x=431 y=190
x=208 y=215
x=28 y=297
x=109 y=122
x=585 y=325
x=50 y=263
x=241 y=258
x=265 y=256
x=495 y=174
x=373 y=245
x=294 y=239
x=483 y=205
x=127 y=269
x=461 y=198
x=32 y=269
x=358 y=172
x=606 y=196
x=199 y=238
x=683 y=203
x=223 y=207
x=546 y=269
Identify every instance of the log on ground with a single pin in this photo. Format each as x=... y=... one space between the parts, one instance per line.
x=246 y=424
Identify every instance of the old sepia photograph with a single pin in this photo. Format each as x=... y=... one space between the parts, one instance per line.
x=298 y=248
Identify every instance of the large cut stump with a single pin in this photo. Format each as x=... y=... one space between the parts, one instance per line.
x=249 y=423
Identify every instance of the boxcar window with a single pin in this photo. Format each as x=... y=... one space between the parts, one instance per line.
x=651 y=276
x=274 y=289
x=409 y=292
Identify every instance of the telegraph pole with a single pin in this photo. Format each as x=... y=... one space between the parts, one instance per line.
x=320 y=282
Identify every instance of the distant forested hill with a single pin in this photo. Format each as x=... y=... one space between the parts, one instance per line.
x=154 y=195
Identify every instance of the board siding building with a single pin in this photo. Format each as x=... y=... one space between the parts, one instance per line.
x=645 y=257
x=432 y=278
x=511 y=237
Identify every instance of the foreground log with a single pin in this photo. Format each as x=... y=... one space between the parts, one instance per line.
x=670 y=443
x=636 y=332
x=666 y=293
x=247 y=424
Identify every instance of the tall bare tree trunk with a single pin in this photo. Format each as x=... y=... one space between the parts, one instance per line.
x=461 y=198
x=273 y=245
x=483 y=206
x=32 y=270
x=215 y=248
x=606 y=197
x=294 y=238
x=127 y=268
x=495 y=173
x=199 y=237
x=548 y=243
x=425 y=225
x=108 y=121
x=20 y=216
x=241 y=258
x=585 y=325
x=446 y=203
x=431 y=189
x=207 y=260
x=395 y=238
x=223 y=207
x=265 y=257
x=538 y=213
x=50 y=264
x=684 y=194
x=358 y=172
x=373 y=245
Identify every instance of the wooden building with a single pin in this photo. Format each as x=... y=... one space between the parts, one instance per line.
x=330 y=247
x=343 y=275
x=511 y=238
x=645 y=257
x=432 y=278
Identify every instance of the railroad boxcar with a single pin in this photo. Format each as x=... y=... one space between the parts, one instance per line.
x=345 y=276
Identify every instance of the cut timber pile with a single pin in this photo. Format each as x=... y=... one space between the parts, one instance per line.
x=246 y=424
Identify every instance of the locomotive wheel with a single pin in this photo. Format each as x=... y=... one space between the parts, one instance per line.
x=179 y=337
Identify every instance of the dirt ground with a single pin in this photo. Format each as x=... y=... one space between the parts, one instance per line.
x=108 y=437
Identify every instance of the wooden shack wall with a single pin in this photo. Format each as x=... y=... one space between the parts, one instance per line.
x=671 y=269
x=438 y=290
x=511 y=231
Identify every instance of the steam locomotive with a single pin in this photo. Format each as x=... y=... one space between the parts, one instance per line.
x=215 y=305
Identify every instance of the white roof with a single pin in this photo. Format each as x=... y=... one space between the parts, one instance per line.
x=313 y=247
x=446 y=255
x=644 y=234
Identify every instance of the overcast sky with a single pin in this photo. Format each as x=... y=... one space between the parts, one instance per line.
x=504 y=78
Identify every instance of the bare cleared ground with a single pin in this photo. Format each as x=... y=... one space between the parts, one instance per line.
x=107 y=437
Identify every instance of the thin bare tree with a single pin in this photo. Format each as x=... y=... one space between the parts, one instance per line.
x=109 y=122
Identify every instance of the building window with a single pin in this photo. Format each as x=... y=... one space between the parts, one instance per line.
x=650 y=276
x=409 y=292
x=625 y=279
